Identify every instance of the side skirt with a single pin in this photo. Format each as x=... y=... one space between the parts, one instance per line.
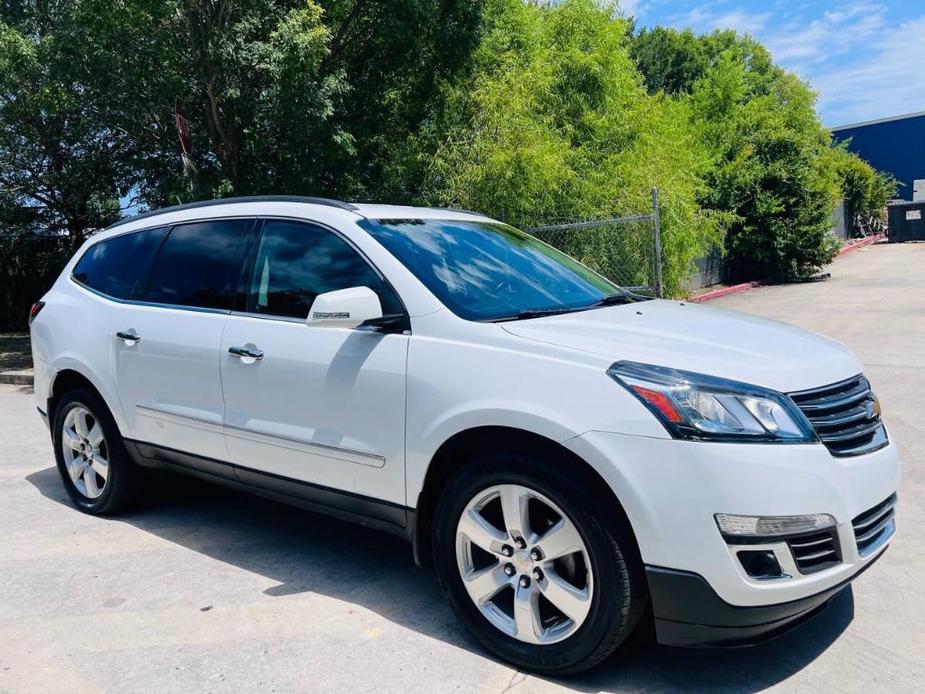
x=355 y=508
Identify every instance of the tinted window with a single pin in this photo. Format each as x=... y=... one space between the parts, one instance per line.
x=198 y=264
x=490 y=271
x=296 y=262
x=118 y=266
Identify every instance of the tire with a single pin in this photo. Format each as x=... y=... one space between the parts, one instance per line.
x=612 y=595
x=92 y=492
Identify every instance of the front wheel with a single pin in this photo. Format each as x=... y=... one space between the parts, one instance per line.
x=533 y=566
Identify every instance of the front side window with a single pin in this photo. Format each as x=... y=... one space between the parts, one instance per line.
x=297 y=261
x=490 y=271
x=118 y=266
x=199 y=264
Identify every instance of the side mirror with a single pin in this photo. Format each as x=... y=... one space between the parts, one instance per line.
x=345 y=308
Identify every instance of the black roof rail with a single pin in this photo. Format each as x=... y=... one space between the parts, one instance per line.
x=230 y=201
x=459 y=209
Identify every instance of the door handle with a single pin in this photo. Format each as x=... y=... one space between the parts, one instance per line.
x=246 y=354
x=129 y=336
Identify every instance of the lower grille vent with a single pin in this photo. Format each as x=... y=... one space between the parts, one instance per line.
x=875 y=525
x=815 y=552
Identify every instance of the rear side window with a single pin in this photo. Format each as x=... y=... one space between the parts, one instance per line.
x=118 y=266
x=199 y=264
x=297 y=261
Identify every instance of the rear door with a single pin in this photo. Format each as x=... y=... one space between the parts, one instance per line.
x=166 y=343
x=324 y=405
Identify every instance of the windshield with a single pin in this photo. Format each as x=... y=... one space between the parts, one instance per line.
x=490 y=271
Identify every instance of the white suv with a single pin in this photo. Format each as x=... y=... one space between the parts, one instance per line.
x=569 y=456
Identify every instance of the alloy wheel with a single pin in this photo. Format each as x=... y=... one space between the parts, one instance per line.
x=524 y=564
x=86 y=455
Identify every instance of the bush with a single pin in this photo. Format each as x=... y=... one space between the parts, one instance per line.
x=553 y=123
x=776 y=175
x=29 y=265
x=864 y=190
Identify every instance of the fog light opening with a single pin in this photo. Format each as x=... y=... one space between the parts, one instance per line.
x=760 y=564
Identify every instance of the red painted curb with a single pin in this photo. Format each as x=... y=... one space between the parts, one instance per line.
x=724 y=291
x=854 y=245
x=745 y=286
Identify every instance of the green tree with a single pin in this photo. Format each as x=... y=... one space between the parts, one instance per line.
x=290 y=96
x=553 y=122
x=59 y=166
x=775 y=174
x=282 y=96
x=670 y=61
x=774 y=170
x=865 y=190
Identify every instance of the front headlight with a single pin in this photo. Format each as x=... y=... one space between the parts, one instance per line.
x=695 y=406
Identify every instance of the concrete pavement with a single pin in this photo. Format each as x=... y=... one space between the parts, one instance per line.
x=209 y=590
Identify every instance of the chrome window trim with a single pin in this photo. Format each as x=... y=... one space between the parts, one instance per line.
x=234 y=312
x=170 y=228
x=151 y=304
x=340 y=235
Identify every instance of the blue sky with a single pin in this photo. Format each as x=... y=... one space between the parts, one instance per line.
x=865 y=59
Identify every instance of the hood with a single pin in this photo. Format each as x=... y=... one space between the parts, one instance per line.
x=717 y=342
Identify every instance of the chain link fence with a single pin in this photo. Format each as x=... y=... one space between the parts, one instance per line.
x=625 y=250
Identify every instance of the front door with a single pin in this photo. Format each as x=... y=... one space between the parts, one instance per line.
x=323 y=406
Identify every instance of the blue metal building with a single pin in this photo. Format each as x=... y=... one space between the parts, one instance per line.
x=895 y=145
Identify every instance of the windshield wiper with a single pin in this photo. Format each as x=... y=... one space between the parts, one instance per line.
x=535 y=313
x=612 y=300
x=615 y=300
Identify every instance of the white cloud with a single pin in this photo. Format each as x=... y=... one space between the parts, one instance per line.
x=863 y=64
x=798 y=43
x=705 y=18
x=886 y=78
x=631 y=8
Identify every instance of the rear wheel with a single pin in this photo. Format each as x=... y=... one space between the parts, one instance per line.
x=532 y=565
x=94 y=465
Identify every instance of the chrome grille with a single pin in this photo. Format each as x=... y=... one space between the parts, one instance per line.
x=815 y=552
x=873 y=527
x=845 y=416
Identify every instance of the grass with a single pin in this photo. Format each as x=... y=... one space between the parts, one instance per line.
x=15 y=351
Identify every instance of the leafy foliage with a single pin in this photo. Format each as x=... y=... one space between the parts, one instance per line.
x=864 y=190
x=532 y=111
x=776 y=174
x=553 y=123
x=282 y=96
x=59 y=165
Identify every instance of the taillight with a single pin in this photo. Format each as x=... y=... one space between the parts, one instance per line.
x=34 y=311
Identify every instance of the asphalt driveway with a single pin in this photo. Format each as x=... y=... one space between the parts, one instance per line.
x=209 y=590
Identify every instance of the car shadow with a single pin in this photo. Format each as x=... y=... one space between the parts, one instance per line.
x=307 y=552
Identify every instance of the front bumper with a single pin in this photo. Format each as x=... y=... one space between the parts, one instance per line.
x=688 y=612
x=671 y=490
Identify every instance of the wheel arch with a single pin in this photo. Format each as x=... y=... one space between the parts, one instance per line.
x=68 y=379
x=459 y=449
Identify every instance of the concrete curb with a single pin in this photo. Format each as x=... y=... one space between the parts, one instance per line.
x=17 y=378
x=723 y=291
x=860 y=243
